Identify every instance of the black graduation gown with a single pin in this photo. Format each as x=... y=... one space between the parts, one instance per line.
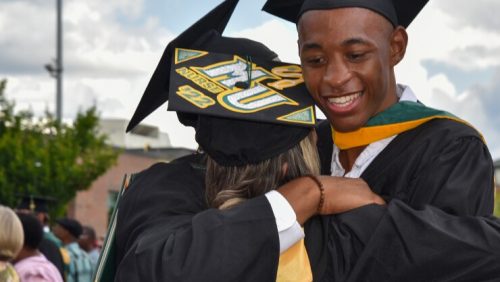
x=51 y=251
x=437 y=226
x=165 y=232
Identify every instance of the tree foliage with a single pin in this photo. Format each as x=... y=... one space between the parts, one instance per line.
x=41 y=156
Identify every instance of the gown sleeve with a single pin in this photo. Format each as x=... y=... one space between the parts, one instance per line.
x=437 y=225
x=165 y=232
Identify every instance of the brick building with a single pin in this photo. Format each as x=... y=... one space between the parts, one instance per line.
x=140 y=149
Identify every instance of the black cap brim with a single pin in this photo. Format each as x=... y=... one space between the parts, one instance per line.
x=405 y=11
x=285 y=9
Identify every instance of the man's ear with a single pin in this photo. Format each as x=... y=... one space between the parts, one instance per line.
x=399 y=41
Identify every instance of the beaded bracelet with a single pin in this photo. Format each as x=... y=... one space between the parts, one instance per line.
x=321 y=190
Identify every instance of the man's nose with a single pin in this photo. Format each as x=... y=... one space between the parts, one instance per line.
x=337 y=74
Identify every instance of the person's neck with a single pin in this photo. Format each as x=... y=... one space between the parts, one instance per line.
x=26 y=253
x=348 y=157
x=68 y=241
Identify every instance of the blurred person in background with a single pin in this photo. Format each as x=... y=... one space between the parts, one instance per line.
x=68 y=230
x=88 y=242
x=50 y=246
x=11 y=242
x=30 y=263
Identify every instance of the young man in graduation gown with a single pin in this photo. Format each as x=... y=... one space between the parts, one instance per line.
x=433 y=169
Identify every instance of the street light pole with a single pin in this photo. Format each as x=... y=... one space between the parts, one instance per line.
x=59 y=62
x=55 y=68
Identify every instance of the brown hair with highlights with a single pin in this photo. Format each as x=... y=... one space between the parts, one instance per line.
x=229 y=185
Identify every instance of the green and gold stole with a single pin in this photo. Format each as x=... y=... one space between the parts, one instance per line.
x=398 y=118
x=294 y=265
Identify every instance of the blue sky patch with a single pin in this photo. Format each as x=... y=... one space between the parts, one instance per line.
x=462 y=79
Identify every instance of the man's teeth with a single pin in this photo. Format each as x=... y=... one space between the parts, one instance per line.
x=344 y=100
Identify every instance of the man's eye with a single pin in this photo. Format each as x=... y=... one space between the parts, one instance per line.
x=355 y=56
x=315 y=61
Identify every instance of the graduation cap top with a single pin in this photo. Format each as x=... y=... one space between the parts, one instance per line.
x=239 y=124
x=244 y=104
x=35 y=203
x=156 y=92
x=398 y=12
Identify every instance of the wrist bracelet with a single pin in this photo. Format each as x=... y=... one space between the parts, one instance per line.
x=321 y=191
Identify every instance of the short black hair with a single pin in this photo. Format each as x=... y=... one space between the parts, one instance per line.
x=33 y=230
x=89 y=231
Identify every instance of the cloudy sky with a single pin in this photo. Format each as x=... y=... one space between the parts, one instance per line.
x=112 y=47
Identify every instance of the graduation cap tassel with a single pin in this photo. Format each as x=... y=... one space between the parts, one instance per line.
x=246 y=85
x=32 y=205
x=249 y=70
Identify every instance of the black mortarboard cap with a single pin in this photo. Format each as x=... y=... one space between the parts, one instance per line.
x=72 y=225
x=398 y=12
x=233 y=142
x=205 y=84
x=35 y=203
x=156 y=92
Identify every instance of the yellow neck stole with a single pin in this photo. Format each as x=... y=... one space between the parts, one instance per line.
x=294 y=265
x=398 y=118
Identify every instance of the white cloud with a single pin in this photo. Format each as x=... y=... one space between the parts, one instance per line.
x=26 y=36
x=278 y=36
x=437 y=35
x=482 y=14
x=106 y=63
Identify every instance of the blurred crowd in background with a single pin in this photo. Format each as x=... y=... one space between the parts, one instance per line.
x=33 y=250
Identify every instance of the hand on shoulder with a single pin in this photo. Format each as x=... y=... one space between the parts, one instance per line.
x=341 y=194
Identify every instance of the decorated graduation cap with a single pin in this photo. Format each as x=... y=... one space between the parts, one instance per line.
x=35 y=203
x=249 y=107
x=398 y=12
x=244 y=104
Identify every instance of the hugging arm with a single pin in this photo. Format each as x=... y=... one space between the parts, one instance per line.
x=165 y=232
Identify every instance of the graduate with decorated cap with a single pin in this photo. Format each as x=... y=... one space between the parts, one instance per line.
x=210 y=216
x=432 y=168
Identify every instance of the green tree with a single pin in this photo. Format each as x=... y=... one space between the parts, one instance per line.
x=41 y=156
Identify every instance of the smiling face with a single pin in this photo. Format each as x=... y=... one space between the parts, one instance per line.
x=347 y=57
